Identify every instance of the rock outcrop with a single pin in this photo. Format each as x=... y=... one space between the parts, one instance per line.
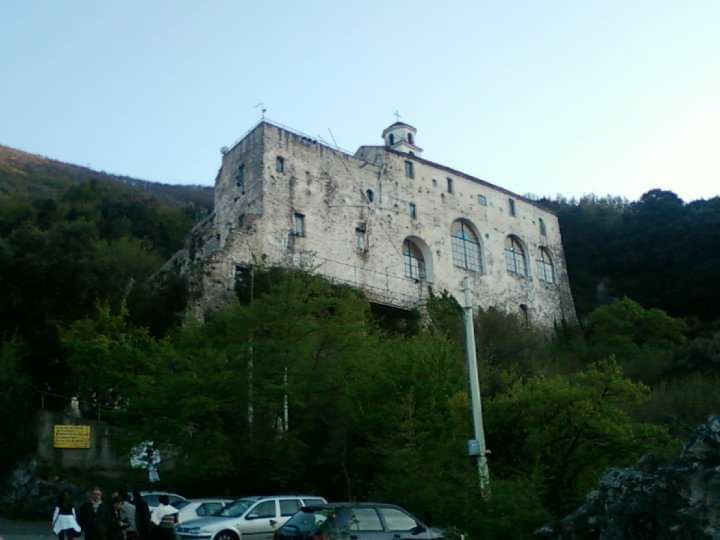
x=24 y=494
x=677 y=501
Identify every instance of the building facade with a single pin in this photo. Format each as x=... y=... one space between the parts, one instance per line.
x=384 y=220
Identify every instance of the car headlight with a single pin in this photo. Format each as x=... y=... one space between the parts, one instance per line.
x=193 y=530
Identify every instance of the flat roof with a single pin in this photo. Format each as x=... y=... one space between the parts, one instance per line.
x=406 y=155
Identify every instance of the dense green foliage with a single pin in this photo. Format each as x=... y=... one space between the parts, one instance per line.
x=369 y=415
x=376 y=408
x=17 y=406
x=60 y=257
x=659 y=251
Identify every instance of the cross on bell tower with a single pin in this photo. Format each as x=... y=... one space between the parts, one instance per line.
x=401 y=137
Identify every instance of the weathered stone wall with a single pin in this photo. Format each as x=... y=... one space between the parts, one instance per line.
x=254 y=225
x=99 y=456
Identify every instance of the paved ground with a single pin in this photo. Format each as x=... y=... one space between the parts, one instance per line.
x=25 y=530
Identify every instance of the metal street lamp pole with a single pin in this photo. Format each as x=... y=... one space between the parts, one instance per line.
x=476 y=447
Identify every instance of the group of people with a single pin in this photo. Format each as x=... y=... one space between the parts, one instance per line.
x=124 y=518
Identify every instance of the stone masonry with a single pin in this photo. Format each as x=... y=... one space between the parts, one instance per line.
x=384 y=220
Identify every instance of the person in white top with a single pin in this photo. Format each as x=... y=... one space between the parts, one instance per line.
x=164 y=518
x=64 y=523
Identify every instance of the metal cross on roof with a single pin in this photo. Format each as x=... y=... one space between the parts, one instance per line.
x=397 y=115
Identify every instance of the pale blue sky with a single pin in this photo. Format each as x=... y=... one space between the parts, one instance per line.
x=540 y=97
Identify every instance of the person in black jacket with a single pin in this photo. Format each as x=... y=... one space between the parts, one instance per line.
x=117 y=522
x=142 y=516
x=91 y=516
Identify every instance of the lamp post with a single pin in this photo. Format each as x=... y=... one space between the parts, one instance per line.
x=476 y=446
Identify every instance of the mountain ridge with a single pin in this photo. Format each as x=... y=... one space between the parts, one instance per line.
x=39 y=176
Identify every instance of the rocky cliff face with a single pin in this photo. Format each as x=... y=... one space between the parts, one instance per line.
x=23 y=493
x=677 y=501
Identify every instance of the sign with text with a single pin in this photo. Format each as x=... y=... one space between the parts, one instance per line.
x=67 y=436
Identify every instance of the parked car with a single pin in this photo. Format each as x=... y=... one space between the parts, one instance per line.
x=257 y=517
x=357 y=521
x=199 y=508
x=152 y=498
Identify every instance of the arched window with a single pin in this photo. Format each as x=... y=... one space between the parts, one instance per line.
x=546 y=270
x=515 y=256
x=370 y=195
x=465 y=247
x=392 y=139
x=410 y=138
x=541 y=223
x=414 y=260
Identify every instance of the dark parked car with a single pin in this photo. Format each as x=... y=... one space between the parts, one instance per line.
x=355 y=521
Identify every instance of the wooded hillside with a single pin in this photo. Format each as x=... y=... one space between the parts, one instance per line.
x=39 y=177
x=375 y=410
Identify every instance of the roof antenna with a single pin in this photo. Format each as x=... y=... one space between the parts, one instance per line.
x=263 y=110
x=333 y=138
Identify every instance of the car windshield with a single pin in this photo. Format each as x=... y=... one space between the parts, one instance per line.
x=235 y=509
x=180 y=504
x=309 y=520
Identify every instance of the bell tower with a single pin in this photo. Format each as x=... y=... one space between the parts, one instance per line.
x=401 y=138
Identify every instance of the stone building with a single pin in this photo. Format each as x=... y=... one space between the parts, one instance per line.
x=386 y=220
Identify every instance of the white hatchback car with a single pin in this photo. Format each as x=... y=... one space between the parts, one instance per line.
x=200 y=508
x=256 y=517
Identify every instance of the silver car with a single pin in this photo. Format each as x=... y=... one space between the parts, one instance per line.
x=257 y=517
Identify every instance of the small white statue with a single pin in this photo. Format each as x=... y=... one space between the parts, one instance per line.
x=75 y=407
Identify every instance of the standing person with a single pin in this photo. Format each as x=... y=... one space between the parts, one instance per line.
x=117 y=521
x=91 y=516
x=131 y=533
x=142 y=516
x=164 y=518
x=64 y=522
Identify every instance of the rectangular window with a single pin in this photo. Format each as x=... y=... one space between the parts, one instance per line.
x=397 y=520
x=299 y=224
x=409 y=171
x=265 y=509
x=412 y=210
x=360 y=242
x=482 y=199
x=450 y=185
x=289 y=506
x=240 y=178
x=364 y=519
x=511 y=207
x=280 y=164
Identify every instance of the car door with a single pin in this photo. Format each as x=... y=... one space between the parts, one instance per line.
x=288 y=507
x=363 y=523
x=260 y=520
x=401 y=525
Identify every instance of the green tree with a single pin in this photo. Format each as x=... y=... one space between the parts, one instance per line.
x=111 y=359
x=568 y=428
x=642 y=340
x=16 y=400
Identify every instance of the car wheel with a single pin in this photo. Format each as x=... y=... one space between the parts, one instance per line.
x=226 y=535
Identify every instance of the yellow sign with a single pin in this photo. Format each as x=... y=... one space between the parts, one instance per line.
x=66 y=436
